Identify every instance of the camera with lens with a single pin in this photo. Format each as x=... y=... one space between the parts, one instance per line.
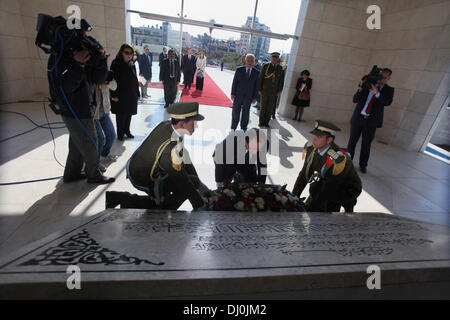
x=371 y=79
x=54 y=37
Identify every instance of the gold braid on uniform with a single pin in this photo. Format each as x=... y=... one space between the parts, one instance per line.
x=161 y=149
x=267 y=75
x=339 y=162
x=305 y=149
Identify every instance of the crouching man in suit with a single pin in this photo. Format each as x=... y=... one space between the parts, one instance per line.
x=241 y=157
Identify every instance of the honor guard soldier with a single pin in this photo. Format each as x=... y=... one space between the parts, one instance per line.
x=161 y=167
x=270 y=86
x=329 y=170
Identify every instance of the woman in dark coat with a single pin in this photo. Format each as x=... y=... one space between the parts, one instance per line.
x=125 y=98
x=301 y=98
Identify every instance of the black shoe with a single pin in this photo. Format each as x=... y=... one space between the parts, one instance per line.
x=129 y=135
x=363 y=169
x=77 y=177
x=113 y=199
x=101 y=180
x=120 y=138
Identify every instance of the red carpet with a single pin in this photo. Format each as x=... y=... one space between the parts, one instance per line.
x=210 y=95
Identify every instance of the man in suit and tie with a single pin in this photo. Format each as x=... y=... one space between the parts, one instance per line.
x=368 y=115
x=163 y=55
x=243 y=92
x=169 y=75
x=145 y=69
x=188 y=66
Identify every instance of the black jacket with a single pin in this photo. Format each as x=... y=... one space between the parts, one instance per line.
x=77 y=84
x=376 y=115
x=164 y=71
x=244 y=90
x=145 y=67
x=251 y=169
x=127 y=88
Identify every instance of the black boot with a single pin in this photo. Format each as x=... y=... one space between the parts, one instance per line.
x=113 y=199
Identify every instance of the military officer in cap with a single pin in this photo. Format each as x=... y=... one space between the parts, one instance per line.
x=161 y=167
x=270 y=86
x=329 y=170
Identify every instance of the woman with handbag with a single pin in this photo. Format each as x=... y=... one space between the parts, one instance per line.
x=302 y=96
x=200 y=72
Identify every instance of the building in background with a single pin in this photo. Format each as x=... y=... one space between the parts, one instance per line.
x=259 y=46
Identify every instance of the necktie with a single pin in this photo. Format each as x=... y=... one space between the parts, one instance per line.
x=171 y=69
x=248 y=74
x=370 y=105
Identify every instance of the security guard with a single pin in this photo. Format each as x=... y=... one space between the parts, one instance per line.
x=161 y=167
x=329 y=170
x=270 y=86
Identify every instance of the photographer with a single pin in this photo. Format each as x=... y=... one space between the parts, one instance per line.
x=71 y=80
x=371 y=98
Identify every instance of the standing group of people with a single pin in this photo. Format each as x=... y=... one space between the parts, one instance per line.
x=249 y=84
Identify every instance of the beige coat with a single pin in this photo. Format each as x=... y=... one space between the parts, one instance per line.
x=106 y=97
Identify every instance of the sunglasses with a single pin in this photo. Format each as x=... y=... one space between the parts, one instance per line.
x=128 y=52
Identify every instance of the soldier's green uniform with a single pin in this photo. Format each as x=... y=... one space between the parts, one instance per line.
x=270 y=84
x=333 y=180
x=161 y=167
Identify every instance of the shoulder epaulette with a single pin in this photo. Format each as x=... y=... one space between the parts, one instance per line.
x=308 y=144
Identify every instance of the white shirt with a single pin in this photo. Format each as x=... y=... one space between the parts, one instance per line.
x=363 y=111
x=322 y=152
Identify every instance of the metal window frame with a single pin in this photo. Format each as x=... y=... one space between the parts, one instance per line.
x=182 y=20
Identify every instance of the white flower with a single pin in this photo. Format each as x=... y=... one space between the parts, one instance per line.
x=277 y=197
x=229 y=193
x=239 y=205
x=250 y=190
x=259 y=203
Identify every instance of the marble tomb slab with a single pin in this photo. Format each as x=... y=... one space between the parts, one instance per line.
x=131 y=253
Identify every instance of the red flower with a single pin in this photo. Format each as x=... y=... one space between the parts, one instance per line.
x=222 y=202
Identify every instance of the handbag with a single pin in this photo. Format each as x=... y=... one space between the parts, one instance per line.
x=303 y=95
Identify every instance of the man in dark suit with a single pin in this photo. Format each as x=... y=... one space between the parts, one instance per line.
x=243 y=92
x=368 y=116
x=188 y=66
x=145 y=69
x=169 y=75
x=163 y=55
x=242 y=157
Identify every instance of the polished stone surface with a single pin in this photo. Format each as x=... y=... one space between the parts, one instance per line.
x=208 y=253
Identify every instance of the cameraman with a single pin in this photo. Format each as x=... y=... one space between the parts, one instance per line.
x=368 y=114
x=71 y=82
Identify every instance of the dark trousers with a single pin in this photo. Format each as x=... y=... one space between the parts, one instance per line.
x=199 y=83
x=144 y=87
x=81 y=148
x=368 y=133
x=188 y=79
x=268 y=104
x=241 y=111
x=173 y=195
x=170 y=92
x=123 y=124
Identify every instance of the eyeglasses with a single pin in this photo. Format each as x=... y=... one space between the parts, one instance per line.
x=128 y=52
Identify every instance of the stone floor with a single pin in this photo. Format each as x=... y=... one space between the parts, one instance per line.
x=404 y=183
